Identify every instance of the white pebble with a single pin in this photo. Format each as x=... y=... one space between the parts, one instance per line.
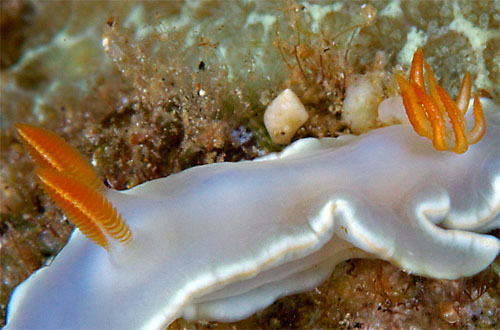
x=284 y=116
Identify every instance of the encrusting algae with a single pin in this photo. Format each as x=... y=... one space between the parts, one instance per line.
x=171 y=105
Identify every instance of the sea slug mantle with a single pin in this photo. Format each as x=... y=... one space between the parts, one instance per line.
x=222 y=241
x=207 y=239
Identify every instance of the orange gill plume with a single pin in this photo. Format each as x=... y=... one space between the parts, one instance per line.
x=73 y=185
x=426 y=110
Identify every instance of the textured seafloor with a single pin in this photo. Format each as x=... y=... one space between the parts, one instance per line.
x=145 y=89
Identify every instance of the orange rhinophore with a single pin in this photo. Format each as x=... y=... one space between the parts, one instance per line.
x=74 y=186
x=426 y=110
x=49 y=150
x=87 y=208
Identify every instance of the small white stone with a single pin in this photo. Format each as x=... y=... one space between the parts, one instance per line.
x=105 y=44
x=391 y=111
x=362 y=97
x=284 y=116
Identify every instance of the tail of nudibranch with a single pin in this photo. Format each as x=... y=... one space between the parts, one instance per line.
x=74 y=186
x=427 y=110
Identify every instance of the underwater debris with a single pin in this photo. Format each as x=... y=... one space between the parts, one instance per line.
x=284 y=116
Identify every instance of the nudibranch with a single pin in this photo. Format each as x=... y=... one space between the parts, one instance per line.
x=222 y=241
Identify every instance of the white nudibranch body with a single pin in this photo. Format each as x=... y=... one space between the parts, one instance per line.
x=222 y=241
